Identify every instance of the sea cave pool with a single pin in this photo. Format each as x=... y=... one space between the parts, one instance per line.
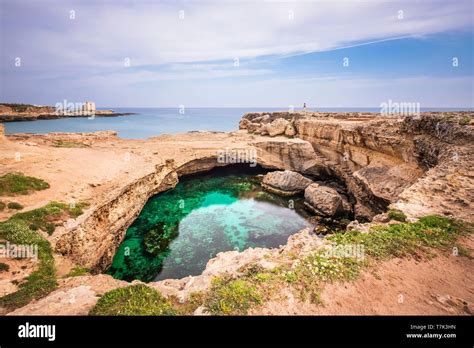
x=180 y=230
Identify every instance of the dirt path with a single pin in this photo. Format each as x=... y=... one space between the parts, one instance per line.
x=443 y=285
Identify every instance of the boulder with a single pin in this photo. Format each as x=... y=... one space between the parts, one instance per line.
x=323 y=200
x=243 y=124
x=290 y=130
x=253 y=127
x=285 y=183
x=262 y=119
x=277 y=127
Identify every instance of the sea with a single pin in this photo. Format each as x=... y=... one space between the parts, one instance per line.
x=149 y=122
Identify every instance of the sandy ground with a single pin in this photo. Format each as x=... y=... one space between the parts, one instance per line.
x=90 y=173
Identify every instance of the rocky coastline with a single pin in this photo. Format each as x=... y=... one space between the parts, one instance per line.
x=33 y=113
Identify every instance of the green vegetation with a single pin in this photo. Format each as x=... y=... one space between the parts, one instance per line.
x=12 y=184
x=45 y=218
x=231 y=296
x=133 y=300
x=405 y=239
x=42 y=281
x=15 y=206
x=77 y=271
x=465 y=121
x=311 y=273
x=22 y=228
x=69 y=144
x=397 y=215
x=4 y=267
x=2 y=206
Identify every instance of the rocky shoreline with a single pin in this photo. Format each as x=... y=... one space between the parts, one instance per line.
x=419 y=166
x=33 y=113
x=24 y=118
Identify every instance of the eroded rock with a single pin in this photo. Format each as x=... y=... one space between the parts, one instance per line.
x=277 y=127
x=323 y=200
x=286 y=182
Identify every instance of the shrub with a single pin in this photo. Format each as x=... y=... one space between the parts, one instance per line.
x=4 y=267
x=18 y=184
x=15 y=206
x=2 y=206
x=397 y=215
x=133 y=300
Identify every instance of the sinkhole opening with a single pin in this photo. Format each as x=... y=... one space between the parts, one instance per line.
x=180 y=230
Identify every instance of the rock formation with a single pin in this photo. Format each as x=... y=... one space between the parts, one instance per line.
x=324 y=200
x=286 y=183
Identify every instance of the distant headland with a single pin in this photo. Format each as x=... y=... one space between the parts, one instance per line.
x=28 y=112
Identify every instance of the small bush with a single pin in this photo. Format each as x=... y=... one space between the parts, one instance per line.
x=12 y=184
x=4 y=267
x=15 y=206
x=397 y=215
x=465 y=121
x=2 y=206
x=133 y=300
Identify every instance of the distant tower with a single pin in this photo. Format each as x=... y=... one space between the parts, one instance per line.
x=89 y=108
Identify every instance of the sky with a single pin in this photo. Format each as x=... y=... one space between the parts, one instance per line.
x=331 y=53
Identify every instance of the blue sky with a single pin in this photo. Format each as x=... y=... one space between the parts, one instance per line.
x=152 y=53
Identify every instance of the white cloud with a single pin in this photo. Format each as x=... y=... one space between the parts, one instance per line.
x=101 y=36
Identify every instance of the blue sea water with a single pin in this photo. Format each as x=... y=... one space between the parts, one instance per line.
x=150 y=122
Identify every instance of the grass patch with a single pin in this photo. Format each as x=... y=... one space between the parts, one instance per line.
x=69 y=144
x=312 y=272
x=46 y=218
x=405 y=239
x=15 y=206
x=12 y=184
x=397 y=215
x=22 y=228
x=231 y=296
x=39 y=283
x=133 y=300
x=77 y=271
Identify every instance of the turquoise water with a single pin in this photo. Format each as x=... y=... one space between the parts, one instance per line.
x=178 y=231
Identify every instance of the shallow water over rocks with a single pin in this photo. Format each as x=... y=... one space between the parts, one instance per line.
x=178 y=231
